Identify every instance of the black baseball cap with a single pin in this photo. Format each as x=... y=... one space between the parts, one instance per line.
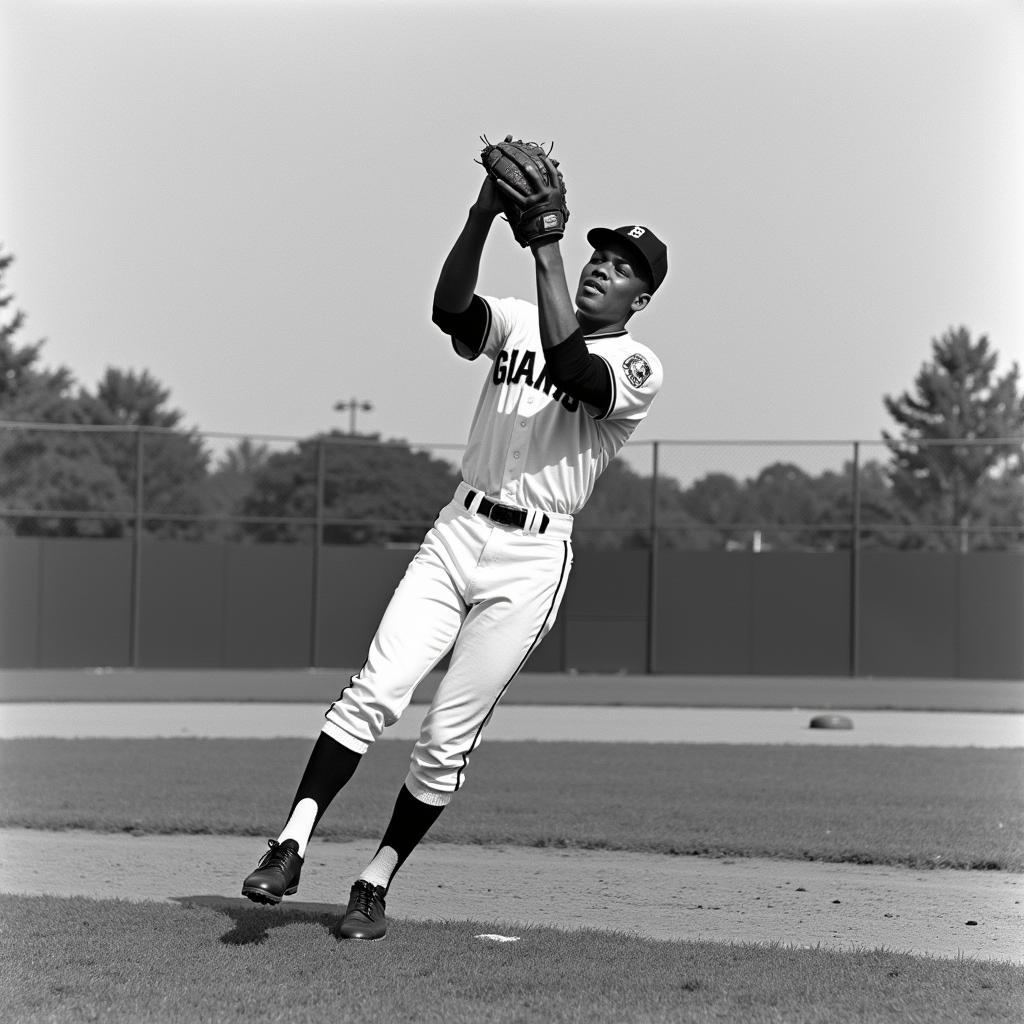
x=643 y=241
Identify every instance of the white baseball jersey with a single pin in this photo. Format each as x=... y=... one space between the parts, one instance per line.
x=532 y=446
x=486 y=592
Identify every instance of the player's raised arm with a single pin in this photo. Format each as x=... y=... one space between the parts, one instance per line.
x=556 y=311
x=571 y=367
x=457 y=281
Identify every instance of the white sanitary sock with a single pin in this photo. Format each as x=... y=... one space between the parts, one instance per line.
x=300 y=824
x=381 y=868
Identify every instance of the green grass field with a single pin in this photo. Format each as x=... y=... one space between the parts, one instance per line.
x=920 y=807
x=76 y=959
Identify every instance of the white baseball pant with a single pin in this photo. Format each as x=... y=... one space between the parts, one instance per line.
x=491 y=591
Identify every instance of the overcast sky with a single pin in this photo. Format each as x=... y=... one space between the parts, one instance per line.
x=252 y=200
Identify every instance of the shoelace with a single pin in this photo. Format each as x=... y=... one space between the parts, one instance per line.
x=275 y=857
x=364 y=896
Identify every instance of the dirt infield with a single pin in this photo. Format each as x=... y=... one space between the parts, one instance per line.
x=526 y=722
x=938 y=913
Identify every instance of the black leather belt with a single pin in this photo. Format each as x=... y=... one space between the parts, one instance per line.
x=504 y=515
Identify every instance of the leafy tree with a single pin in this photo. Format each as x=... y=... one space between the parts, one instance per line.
x=618 y=513
x=233 y=476
x=80 y=472
x=879 y=513
x=718 y=499
x=381 y=492
x=55 y=473
x=791 y=508
x=958 y=487
x=174 y=460
x=27 y=390
x=782 y=499
x=721 y=504
x=244 y=459
x=45 y=469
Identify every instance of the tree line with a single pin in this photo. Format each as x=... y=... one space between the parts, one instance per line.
x=949 y=479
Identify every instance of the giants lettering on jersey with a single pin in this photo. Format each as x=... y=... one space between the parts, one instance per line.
x=515 y=367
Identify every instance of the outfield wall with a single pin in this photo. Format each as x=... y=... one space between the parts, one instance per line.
x=185 y=604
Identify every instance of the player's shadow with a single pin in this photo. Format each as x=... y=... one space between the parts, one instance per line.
x=252 y=923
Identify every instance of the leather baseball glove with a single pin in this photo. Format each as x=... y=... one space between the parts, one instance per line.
x=531 y=187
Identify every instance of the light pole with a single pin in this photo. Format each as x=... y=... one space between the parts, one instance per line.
x=353 y=404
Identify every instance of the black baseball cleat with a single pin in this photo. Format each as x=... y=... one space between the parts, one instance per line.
x=276 y=875
x=365 y=918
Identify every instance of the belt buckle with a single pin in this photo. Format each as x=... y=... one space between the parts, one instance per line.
x=504 y=515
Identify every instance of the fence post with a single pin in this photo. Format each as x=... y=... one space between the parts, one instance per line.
x=855 y=563
x=318 y=540
x=136 y=588
x=652 y=567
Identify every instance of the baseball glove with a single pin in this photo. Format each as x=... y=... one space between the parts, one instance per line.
x=531 y=186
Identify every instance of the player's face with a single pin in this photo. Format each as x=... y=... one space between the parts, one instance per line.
x=611 y=289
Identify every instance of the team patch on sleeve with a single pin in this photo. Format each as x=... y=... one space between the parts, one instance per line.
x=638 y=370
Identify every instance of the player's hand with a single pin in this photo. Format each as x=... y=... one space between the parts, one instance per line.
x=538 y=218
x=488 y=202
x=542 y=192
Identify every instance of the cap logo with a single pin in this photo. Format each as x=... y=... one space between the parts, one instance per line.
x=637 y=232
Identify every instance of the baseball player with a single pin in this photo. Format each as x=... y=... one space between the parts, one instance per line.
x=564 y=387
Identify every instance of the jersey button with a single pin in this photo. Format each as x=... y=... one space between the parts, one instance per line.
x=522 y=423
x=515 y=455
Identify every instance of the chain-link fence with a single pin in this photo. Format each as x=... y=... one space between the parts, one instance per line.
x=227 y=550
x=61 y=480
x=827 y=496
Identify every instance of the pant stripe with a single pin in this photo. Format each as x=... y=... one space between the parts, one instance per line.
x=351 y=681
x=536 y=640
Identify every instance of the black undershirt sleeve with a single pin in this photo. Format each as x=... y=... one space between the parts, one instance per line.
x=469 y=327
x=574 y=370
